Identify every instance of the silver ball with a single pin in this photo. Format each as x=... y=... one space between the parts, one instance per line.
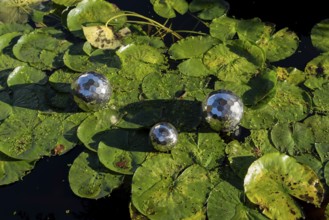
x=91 y=91
x=163 y=136
x=223 y=110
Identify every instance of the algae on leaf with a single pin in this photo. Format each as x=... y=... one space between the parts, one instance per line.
x=274 y=179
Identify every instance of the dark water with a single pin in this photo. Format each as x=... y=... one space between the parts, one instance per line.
x=44 y=194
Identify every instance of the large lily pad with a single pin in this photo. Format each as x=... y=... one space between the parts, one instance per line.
x=209 y=9
x=162 y=189
x=250 y=29
x=191 y=47
x=320 y=35
x=292 y=139
x=167 y=8
x=61 y=80
x=95 y=12
x=320 y=98
x=124 y=150
x=14 y=27
x=274 y=179
x=319 y=126
x=226 y=202
x=26 y=75
x=8 y=62
x=6 y=40
x=223 y=28
x=88 y=178
x=41 y=50
x=319 y=65
x=205 y=149
x=194 y=67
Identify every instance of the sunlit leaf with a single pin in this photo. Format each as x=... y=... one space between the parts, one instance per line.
x=162 y=182
x=67 y=2
x=250 y=29
x=95 y=12
x=26 y=75
x=223 y=28
x=88 y=178
x=274 y=179
x=320 y=98
x=193 y=67
x=319 y=126
x=61 y=80
x=319 y=65
x=9 y=28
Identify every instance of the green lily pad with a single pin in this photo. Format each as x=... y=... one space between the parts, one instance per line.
x=235 y=61
x=67 y=2
x=223 y=28
x=95 y=124
x=281 y=45
x=193 y=67
x=13 y=170
x=250 y=29
x=14 y=27
x=184 y=115
x=261 y=142
x=205 y=149
x=314 y=82
x=167 y=8
x=326 y=172
x=320 y=98
x=167 y=86
x=274 y=179
x=162 y=189
x=289 y=104
x=95 y=12
x=124 y=150
x=102 y=61
x=88 y=178
x=291 y=75
x=7 y=39
x=323 y=151
x=292 y=139
x=209 y=9
x=191 y=47
x=8 y=62
x=319 y=126
x=140 y=60
x=5 y=107
x=31 y=96
x=195 y=88
x=312 y=161
x=26 y=75
x=226 y=202
x=320 y=35
x=319 y=65
x=41 y=50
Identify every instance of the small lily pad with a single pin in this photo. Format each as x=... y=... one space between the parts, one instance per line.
x=226 y=202
x=88 y=178
x=26 y=75
x=13 y=170
x=162 y=182
x=167 y=8
x=209 y=9
x=318 y=66
x=223 y=28
x=319 y=126
x=274 y=179
x=292 y=139
x=320 y=98
x=123 y=151
x=6 y=40
x=320 y=35
x=67 y=2
x=95 y=124
x=250 y=29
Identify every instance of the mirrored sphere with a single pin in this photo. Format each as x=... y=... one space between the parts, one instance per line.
x=223 y=110
x=163 y=136
x=91 y=91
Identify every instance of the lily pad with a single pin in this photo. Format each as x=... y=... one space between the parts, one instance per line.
x=292 y=139
x=274 y=179
x=191 y=47
x=168 y=85
x=320 y=35
x=226 y=202
x=92 y=12
x=61 y=80
x=235 y=61
x=26 y=75
x=102 y=61
x=223 y=28
x=8 y=62
x=319 y=126
x=323 y=151
x=209 y=9
x=162 y=188
x=13 y=170
x=194 y=67
x=14 y=27
x=167 y=8
x=205 y=149
x=41 y=50
x=320 y=98
x=95 y=124
x=250 y=29
x=67 y=2
x=5 y=107
x=318 y=66
x=6 y=40
x=124 y=150
x=88 y=178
